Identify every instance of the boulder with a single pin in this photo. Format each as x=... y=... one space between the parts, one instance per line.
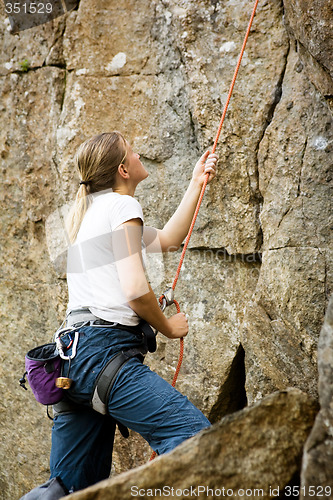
x=253 y=453
x=318 y=451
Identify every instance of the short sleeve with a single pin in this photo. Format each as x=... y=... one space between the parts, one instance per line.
x=123 y=209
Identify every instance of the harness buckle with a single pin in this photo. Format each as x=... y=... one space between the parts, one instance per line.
x=167 y=298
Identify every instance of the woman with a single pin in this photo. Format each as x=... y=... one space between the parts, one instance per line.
x=109 y=293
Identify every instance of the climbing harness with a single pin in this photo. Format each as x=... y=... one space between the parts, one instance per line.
x=43 y=363
x=166 y=299
x=107 y=376
x=83 y=317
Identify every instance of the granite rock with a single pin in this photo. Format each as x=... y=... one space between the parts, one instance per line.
x=159 y=71
x=318 y=451
x=310 y=22
x=257 y=449
x=282 y=322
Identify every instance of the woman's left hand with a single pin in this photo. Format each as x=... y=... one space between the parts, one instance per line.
x=207 y=163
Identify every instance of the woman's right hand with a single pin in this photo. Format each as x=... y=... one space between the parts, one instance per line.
x=178 y=325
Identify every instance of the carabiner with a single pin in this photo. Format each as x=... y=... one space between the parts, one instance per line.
x=167 y=298
x=74 y=343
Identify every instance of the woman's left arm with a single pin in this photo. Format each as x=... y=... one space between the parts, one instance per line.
x=176 y=229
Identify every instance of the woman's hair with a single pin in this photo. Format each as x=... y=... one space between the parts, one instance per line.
x=97 y=160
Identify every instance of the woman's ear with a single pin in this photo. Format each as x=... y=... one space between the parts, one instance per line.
x=122 y=170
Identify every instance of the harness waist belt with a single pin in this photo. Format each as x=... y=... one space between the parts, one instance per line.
x=80 y=317
x=77 y=316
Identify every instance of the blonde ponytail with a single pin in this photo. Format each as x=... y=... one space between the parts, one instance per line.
x=77 y=212
x=97 y=160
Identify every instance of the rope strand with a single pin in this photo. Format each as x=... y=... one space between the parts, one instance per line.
x=215 y=143
x=205 y=185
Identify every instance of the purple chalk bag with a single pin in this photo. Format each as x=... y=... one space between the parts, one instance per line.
x=43 y=367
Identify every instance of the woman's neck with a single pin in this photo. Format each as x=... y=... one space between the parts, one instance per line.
x=124 y=189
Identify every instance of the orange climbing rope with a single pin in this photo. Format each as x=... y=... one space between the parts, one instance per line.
x=181 y=260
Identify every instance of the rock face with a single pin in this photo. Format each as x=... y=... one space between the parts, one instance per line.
x=295 y=179
x=256 y=450
x=310 y=23
x=258 y=273
x=318 y=452
x=31 y=294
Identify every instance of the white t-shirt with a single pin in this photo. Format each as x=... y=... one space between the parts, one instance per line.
x=92 y=276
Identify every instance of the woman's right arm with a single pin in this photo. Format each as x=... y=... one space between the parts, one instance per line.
x=148 y=309
x=139 y=294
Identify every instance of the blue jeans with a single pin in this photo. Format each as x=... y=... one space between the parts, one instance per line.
x=140 y=399
x=81 y=452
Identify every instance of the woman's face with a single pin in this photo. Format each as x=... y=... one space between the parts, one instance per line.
x=135 y=168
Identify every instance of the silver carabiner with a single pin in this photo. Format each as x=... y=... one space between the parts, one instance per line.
x=167 y=298
x=59 y=345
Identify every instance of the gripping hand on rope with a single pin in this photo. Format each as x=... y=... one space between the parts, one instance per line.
x=206 y=164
